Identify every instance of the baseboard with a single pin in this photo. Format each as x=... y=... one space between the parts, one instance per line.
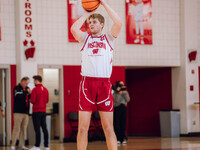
x=191 y=134
x=142 y=135
x=65 y=140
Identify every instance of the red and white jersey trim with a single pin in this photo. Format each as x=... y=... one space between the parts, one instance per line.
x=85 y=94
x=106 y=98
x=79 y=95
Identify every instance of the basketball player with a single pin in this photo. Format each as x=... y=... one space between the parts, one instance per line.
x=95 y=87
x=138 y=11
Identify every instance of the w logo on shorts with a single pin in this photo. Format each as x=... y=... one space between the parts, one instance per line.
x=107 y=103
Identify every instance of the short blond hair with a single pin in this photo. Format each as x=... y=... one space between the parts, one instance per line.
x=98 y=16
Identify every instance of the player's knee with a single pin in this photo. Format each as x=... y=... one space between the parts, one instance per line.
x=109 y=131
x=82 y=130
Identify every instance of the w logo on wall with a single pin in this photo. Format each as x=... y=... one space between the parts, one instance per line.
x=192 y=55
x=29 y=50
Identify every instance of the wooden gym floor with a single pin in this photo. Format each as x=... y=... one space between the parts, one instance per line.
x=136 y=143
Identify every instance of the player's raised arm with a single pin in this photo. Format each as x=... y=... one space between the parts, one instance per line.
x=115 y=30
x=75 y=29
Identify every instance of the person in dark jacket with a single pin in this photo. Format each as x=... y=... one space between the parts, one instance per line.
x=121 y=98
x=21 y=94
x=39 y=99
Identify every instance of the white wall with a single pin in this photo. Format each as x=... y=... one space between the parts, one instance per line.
x=7 y=22
x=182 y=77
x=192 y=14
x=53 y=46
x=165 y=50
x=191 y=42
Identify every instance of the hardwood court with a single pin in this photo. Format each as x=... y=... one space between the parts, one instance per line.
x=137 y=143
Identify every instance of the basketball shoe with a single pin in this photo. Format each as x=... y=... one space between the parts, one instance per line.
x=136 y=41
x=12 y=148
x=124 y=142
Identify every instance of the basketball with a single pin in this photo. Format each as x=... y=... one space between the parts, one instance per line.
x=90 y=5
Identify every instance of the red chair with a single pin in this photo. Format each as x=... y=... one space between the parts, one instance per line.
x=73 y=120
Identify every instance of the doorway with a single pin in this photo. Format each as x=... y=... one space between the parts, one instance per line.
x=150 y=92
x=5 y=123
x=52 y=80
x=2 y=100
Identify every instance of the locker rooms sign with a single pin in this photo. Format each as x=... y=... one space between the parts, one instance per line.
x=28 y=17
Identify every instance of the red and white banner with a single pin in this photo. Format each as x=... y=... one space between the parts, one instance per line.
x=138 y=22
x=75 y=11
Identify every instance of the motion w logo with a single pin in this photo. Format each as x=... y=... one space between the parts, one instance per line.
x=107 y=103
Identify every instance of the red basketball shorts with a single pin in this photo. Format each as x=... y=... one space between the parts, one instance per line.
x=95 y=94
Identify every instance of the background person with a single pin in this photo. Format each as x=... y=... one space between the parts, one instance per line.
x=121 y=98
x=39 y=99
x=21 y=94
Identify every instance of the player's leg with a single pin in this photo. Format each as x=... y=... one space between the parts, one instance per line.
x=137 y=27
x=140 y=20
x=83 y=126
x=141 y=32
x=107 y=123
x=141 y=28
x=137 y=17
x=137 y=32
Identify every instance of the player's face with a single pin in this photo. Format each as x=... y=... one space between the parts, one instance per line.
x=95 y=26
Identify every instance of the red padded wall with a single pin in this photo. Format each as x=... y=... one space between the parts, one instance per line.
x=150 y=91
x=13 y=82
x=118 y=73
x=72 y=79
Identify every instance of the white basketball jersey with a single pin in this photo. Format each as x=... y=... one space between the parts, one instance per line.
x=139 y=12
x=97 y=54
